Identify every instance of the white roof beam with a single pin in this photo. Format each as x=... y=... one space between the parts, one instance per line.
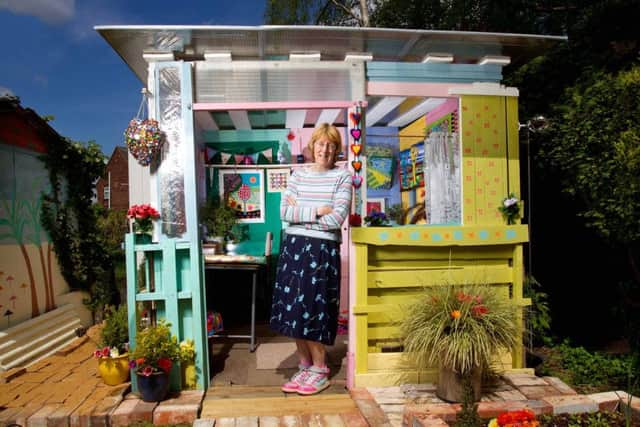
x=358 y=56
x=240 y=119
x=304 y=56
x=328 y=116
x=382 y=108
x=438 y=58
x=416 y=112
x=205 y=121
x=217 y=56
x=295 y=119
x=494 y=59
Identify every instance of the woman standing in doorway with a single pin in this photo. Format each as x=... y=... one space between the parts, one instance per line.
x=307 y=288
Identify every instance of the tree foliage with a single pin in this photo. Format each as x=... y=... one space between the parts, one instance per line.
x=353 y=13
x=70 y=220
x=595 y=148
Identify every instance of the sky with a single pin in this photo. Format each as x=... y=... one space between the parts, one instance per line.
x=60 y=66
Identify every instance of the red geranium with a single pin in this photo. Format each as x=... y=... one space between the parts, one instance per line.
x=165 y=364
x=142 y=216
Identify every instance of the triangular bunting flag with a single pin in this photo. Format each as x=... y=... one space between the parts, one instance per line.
x=239 y=158
x=225 y=158
x=268 y=153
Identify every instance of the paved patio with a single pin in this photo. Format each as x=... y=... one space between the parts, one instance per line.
x=64 y=390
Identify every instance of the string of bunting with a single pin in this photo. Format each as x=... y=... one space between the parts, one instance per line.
x=355 y=132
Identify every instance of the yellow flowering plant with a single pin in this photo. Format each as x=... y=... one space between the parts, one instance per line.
x=460 y=327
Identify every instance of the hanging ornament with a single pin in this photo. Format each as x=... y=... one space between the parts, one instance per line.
x=143 y=136
x=357 y=165
x=356 y=148
x=355 y=118
x=356 y=133
x=356 y=180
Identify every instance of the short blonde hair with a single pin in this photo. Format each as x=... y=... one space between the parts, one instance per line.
x=325 y=130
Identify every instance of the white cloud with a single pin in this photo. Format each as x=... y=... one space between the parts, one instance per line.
x=50 y=11
x=5 y=92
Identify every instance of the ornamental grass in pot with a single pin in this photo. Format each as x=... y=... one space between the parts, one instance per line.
x=156 y=350
x=461 y=329
x=113 y=357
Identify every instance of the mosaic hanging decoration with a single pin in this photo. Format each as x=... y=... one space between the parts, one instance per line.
x=355 y=132
x=143 y=136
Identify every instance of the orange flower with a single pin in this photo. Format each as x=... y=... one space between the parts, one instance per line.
x=455 y=314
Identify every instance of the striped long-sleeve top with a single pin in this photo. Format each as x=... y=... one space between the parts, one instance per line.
x=312 y=189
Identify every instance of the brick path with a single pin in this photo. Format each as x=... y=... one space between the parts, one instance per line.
x=64 y=390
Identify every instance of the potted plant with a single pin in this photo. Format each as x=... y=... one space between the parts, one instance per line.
x=142 y=217
x=376 y=219
x=219 y=219
x=113 y=357
x=461 y=329
x=396 y=214
x=187 y=364
x=155 y=352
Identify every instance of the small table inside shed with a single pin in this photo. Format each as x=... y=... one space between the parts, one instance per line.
x=240 y=263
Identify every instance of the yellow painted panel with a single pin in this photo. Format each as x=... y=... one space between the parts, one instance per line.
x=490 y=163
x=388 y=361
x=383 y=332
x=441 y=235
x=443 y=254
x=434 y=264
x=428 y=277
x=386 y=378
x=514 y=145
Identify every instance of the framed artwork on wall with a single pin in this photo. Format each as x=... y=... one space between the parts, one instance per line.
x=375 y=204
x=277 y=180
x=244 y=192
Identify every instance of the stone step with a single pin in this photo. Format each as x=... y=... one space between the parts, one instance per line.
x=43 y=338
x=29 y=327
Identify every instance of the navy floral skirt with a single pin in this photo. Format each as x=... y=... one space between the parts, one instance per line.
x=306 y=295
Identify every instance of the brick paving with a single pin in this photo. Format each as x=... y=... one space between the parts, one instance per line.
x=65 y=390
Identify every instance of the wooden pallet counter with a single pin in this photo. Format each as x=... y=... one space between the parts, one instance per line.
x=393 y=264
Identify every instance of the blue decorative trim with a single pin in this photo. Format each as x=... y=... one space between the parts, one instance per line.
x=412 y=72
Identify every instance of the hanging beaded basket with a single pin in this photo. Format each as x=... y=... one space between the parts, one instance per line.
x=143 y=136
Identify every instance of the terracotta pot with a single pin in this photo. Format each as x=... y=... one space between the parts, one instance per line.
x=451 y=385
x=153 y=388
x=114 y=370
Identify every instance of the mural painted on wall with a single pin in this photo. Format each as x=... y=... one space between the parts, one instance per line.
x=29 y=276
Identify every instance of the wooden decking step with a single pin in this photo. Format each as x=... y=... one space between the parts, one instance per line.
x=245 y=401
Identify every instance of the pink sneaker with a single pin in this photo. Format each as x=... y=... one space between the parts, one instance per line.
x=296 y=380
x=315 y=381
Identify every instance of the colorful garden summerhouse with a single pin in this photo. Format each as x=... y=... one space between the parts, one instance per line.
x=429 y=132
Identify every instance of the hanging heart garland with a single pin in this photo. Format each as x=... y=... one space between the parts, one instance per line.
x=356 y=134
x=355 y=118
x=357 y=165
x=356 y=148
x=144 y=140
x=356 y=180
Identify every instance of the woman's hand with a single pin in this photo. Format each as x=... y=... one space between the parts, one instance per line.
x=323 y=210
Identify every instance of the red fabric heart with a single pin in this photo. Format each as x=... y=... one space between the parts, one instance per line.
x=355 y=118
x=357 y=165
x=356 y=148
x=356 y=133
x=356 y=180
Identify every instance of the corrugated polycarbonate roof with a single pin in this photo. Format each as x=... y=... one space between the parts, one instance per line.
x=333 y=43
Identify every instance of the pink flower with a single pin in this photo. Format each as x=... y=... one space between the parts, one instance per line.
x=97 y=354
x=147 y=371
x=106 y=352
